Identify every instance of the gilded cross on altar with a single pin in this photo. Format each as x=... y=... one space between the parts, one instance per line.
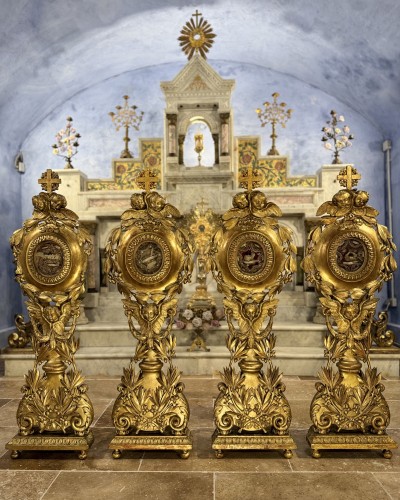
x=348 y=177
x=49 y=181
x=147 y=180
x=250 y=179
x=196 y=15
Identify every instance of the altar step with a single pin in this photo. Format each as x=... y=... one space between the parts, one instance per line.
x=110 y=361
x=294 y=305
x=289 y=334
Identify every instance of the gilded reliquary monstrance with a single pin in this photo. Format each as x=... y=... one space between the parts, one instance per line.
x=50 y=252
x=149 y=258
x=252 y=258
x=349 y=256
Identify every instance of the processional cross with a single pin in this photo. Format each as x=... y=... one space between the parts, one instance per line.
x=49 y=181
x=249 y=179
x=348 y=177
x=147 y=180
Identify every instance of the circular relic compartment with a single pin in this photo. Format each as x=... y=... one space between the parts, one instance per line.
x=250 y=258
x=52 y=260
x=149 y=260
x=348 y=257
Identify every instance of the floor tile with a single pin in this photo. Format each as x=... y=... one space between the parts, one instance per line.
x=390 y=482
x=313 y=486
x=25 y=485
x=132 y=486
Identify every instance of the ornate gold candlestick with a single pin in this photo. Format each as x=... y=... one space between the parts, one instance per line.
x=201 y=225
x=349 y=256
x=274 y=113
x=126 y=116
x=252 y=257
x=150 y=258
x=51 y=253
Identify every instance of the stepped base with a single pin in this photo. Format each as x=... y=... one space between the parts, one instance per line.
x=50 y=442
x=244 y=441
x=109 y=361
x=350 y=441
x=146 y=441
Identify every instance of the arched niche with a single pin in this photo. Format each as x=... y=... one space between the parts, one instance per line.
x=199 y=132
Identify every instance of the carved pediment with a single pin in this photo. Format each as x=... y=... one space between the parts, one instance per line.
x=197 y=79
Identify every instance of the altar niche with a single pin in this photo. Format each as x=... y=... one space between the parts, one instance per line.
x=200 y=148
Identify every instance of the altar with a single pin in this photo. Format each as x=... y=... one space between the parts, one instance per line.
x=198 y=161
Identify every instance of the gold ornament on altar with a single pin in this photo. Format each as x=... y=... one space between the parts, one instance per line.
x=126 y=116
x=149 y=258
x=274 y=113
x=198 y=146
x=340 y=137
x=201 y=306
x=196 y=36
x=67 y=143
x=349 y=256
x=51 y=252
x=253 y=256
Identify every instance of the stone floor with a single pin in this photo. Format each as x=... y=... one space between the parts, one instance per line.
x=162 y=475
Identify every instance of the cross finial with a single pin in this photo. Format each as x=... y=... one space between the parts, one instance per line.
x=49 y=181
x=196 y=15
x=348 y=177
x=147 y=180
x=250 y=179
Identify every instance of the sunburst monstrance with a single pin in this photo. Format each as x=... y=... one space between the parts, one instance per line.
x=196 y=36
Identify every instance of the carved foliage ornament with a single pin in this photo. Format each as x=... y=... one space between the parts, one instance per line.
x=349 y=256
x=44 y=250
x=149 y=258
x=252 y=257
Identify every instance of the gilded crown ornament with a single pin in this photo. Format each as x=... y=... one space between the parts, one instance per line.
x=196 y=36
x=149 y=258
x=127 y=116
x=51 y=252
x=336 y=138
x=348 y=258
x=252 y=258
x=67 y=142
x=274 y=113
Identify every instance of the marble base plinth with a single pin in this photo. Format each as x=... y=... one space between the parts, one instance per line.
x=350 y=441
x=50 y=442
x=146 y=441
x=247 y=441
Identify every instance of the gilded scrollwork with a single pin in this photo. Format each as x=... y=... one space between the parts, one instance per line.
x=349 y=256
x=55 y=398
x=252 y=399
x=149 y=244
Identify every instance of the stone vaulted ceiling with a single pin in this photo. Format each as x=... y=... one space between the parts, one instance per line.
x=53 y=49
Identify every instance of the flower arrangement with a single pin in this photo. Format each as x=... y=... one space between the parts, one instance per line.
x=340 y=137
x=198 y=318
x=66 y=144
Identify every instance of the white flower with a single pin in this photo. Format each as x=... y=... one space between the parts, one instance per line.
x=339 y=144
x=187 y=314
x=341 y=118
x=197 y=322
x=345 y=139
x=337 y=130
x=346 y=129
x=328 y=145
x=207 y=315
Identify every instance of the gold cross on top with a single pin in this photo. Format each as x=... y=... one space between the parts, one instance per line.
x=250 y=179
x=147 y=180
x=49 y=181
x=348 y=177
x=196 y=15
